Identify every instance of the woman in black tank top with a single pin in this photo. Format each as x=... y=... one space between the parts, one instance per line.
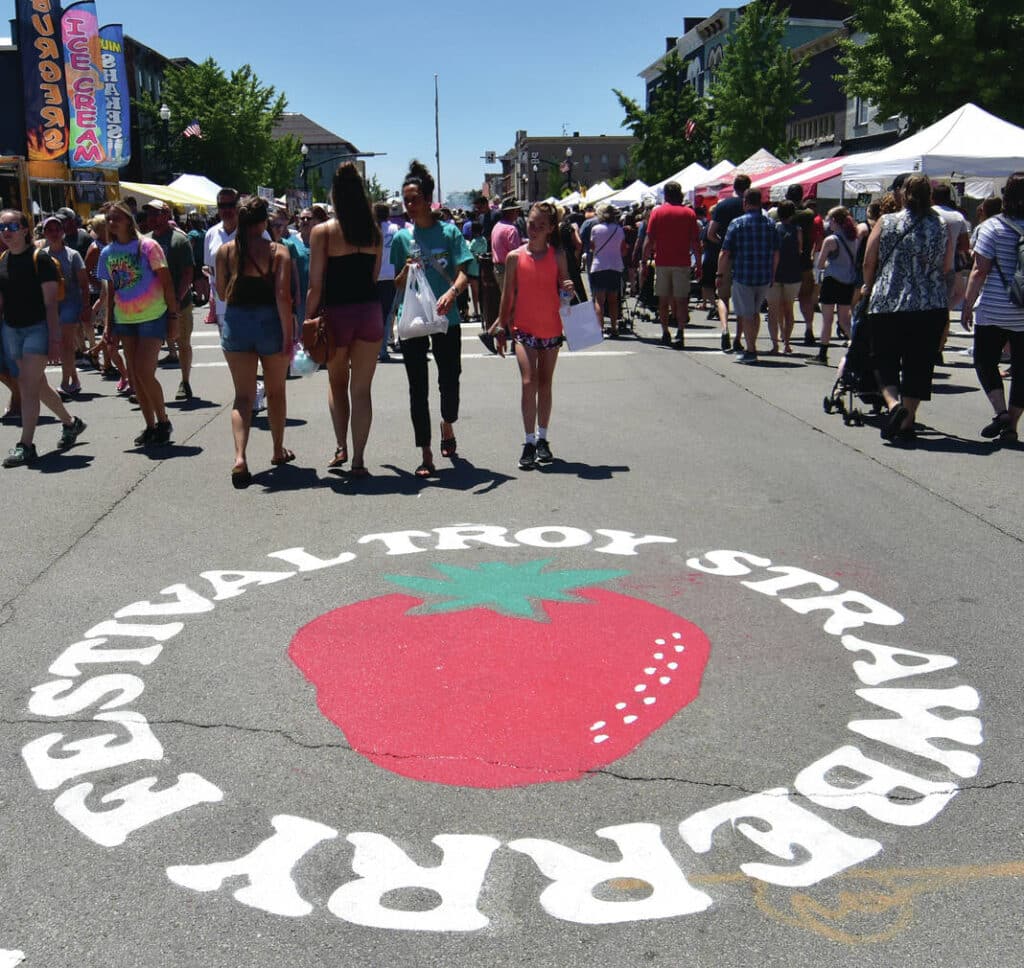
x=344 y=262
x=254 y=278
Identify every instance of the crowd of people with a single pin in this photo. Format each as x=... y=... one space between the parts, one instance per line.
x=111 y=294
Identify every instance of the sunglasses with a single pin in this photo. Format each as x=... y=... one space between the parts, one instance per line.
x=10 y=226
x=306 y=218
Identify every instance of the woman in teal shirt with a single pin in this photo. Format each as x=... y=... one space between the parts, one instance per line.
x=442 y=251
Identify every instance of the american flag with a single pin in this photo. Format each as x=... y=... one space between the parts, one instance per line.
x=193 y=130
x=689 y=129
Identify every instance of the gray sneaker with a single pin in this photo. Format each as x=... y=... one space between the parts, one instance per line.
x=20 y=454
x=69 y=433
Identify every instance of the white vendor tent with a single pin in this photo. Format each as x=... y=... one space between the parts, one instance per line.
x=630 y=195
x=598 y=193
x=688 y=178
x=969 y=142
x=197 y=185
x=145 y=193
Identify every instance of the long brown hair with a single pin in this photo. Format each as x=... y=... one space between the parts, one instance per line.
x=352 y=208
x=250 y=213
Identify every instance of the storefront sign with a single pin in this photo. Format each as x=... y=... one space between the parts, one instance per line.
x=115 y=96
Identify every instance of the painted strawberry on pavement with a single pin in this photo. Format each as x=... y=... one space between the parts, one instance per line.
x=508 y=681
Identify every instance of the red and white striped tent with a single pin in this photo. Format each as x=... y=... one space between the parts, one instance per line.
x=807 y=174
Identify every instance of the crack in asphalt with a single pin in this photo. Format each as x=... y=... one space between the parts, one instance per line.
x=774 y=405
x=605 y=772
x=7 y=608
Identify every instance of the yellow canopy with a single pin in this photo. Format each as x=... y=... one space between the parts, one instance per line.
x=172 y=195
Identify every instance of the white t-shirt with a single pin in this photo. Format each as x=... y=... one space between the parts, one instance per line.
x=215 y=238
x=388 y=230
x=956 y=222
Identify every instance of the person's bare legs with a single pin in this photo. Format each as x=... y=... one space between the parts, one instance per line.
x=545 y=372
x=773 y=323
x=338 y=372
x=68 y=348
x=527 y=358
x=750 y=326
x=275 y=376
x=36 y=390
x=363 y=356
x=243 y=376
x=142 y=353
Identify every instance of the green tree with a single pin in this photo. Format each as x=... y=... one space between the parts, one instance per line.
x=661 y=147
x=376 y=191
x=757 y=86
x=237 y=114
x=925 y=58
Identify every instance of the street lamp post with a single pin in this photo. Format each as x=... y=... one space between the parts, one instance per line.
x=165 y=118
x=526 y=186
x=568 y=170
x=304 y=151
x=536 y=182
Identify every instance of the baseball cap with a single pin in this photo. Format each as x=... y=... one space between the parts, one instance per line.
x=157 y=205
x=54 y=219
x=67 y=213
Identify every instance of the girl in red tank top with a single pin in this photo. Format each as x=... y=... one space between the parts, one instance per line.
x=534 y=273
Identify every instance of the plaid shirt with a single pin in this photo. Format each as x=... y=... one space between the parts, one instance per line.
x=751 y=241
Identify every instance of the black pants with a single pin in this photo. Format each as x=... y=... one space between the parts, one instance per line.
x=447 y=351
x=988 y=348
x=904 y=347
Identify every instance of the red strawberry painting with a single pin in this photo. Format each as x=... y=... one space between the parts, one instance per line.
x=500 y=675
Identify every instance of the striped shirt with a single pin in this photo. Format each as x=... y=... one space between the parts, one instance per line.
x=997 y=241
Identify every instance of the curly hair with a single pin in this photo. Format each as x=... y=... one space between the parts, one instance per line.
x=421 y=178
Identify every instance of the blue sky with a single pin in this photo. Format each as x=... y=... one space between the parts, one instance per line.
x=367 y=72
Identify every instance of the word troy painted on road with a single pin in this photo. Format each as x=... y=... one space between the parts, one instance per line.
x=593 y=673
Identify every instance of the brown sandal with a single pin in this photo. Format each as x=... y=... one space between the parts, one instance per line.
x=340 y=457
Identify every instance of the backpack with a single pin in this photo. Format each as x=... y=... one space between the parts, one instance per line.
x=36 y=253
x=1015 y=287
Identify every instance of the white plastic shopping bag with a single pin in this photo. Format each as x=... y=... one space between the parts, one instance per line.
x=581 y=326
x=419 y=308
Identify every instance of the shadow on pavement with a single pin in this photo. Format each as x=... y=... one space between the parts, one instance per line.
x=586 y=472
x=184 y=406
x=288 y=477
x=939 y=443
x=263 y=423
x=57 y=462
x=166 y=452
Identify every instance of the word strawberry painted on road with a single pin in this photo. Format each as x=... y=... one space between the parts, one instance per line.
x=500 y=675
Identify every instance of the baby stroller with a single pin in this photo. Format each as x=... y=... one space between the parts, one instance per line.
x=856 y=378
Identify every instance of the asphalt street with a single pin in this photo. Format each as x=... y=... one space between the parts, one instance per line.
x=729 y=683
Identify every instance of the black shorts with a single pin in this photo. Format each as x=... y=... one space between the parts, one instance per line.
x=835 y=293
x=904 y=347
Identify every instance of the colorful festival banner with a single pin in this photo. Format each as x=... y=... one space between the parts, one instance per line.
x=42 y=65
x=87 y=142
x=115 y=96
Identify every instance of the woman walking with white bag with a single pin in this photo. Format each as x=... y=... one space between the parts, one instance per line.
x=440 y=248
x=534 y=273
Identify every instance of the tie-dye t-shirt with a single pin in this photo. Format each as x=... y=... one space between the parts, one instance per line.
x=131 y=268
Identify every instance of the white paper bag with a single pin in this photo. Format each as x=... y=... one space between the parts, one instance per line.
x=581 y=326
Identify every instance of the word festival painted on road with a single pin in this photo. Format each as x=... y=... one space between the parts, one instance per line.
x=789 y=843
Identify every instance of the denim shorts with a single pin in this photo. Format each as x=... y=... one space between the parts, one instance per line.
x=149 y=329
x=251 y=329
x=21 y=340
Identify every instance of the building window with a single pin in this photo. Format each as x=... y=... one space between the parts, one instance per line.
x=622 y=160
x=604 y=160
x=586 y=162
x=865 y=110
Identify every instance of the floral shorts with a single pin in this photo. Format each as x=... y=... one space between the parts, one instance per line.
x=537 y=342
